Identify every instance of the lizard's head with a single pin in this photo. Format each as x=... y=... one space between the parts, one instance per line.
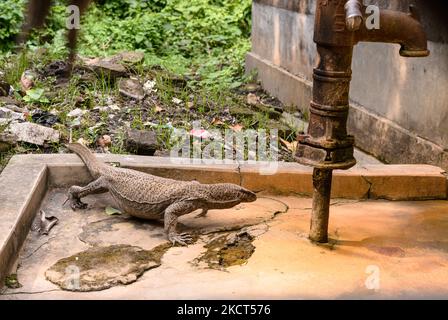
x=230 y=191
x=247 y=195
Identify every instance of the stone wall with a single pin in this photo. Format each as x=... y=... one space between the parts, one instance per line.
x=399 y=106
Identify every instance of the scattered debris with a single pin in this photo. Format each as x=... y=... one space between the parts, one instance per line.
x=131 y=88
x=44 y=224
x=56 y=69
x=4 y=88
x=75 y=123
x=104 y=142
x=15 y=108
x=176 y=101
x=158 y=109
x=141 y=142
x=27 y=80
x=150 y=86
x=109 y=108
x=7 y=141
x=252 y=99
x=76 y=113
x=100 y=268
x=237 y=127
x=248 y=107
x=33 y=133
x=291 y=146
x=217 y=122
x=44 y=118
x=9 y=114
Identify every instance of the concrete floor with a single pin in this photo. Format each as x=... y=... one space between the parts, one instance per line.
x=379 y=249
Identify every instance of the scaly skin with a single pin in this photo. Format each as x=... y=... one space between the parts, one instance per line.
x=150 y=197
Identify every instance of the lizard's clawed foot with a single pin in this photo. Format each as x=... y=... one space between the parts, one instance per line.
x=183 y=239
x=76 y=203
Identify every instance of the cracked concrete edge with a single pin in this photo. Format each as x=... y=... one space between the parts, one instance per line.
x=395 y=182
x=22 y=188
x=24 y=181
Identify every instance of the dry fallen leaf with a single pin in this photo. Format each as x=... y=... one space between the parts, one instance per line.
x=104 y=141
x=112 y=211
x=26 y=81
x=291 y=146
x=158 y=109
x=217 y=122
x=252 y=99
x=237 y=128
x=176 y=100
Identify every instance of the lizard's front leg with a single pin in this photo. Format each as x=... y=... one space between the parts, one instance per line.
x=172 y=213
x=75 y=193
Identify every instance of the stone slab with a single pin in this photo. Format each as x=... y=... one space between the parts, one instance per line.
x=402 y=246
x=25 y=180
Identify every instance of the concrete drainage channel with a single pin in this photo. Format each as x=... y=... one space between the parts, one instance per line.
x=103 y=251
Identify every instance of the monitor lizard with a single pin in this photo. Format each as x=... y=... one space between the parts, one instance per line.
x=147 y=196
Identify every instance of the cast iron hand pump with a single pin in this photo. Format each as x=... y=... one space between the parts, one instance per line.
x=339 y=26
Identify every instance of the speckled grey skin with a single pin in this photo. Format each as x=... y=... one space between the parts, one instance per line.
x=150 y=197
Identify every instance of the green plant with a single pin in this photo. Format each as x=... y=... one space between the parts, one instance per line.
x=205 y=40
x=36 y=95
x=11 y=16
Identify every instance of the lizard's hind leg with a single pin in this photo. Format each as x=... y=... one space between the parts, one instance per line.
x=75 y=193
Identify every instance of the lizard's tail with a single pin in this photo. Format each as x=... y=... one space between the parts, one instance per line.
x=88 y=158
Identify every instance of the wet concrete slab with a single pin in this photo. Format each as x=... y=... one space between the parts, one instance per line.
x=378 y=249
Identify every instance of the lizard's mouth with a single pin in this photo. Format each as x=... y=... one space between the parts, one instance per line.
x=249 y=196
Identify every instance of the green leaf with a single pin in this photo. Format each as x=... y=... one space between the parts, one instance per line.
x=35 y=94
x=112 y=211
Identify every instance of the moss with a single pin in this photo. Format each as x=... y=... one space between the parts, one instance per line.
x=12 y=281
x=223 y=253
x=103 y=267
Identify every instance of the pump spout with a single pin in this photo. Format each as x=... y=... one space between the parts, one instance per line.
x=397 y=27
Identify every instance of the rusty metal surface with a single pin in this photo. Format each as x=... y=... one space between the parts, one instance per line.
x=321 y=205
x=339 y=26
x=337 y=30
